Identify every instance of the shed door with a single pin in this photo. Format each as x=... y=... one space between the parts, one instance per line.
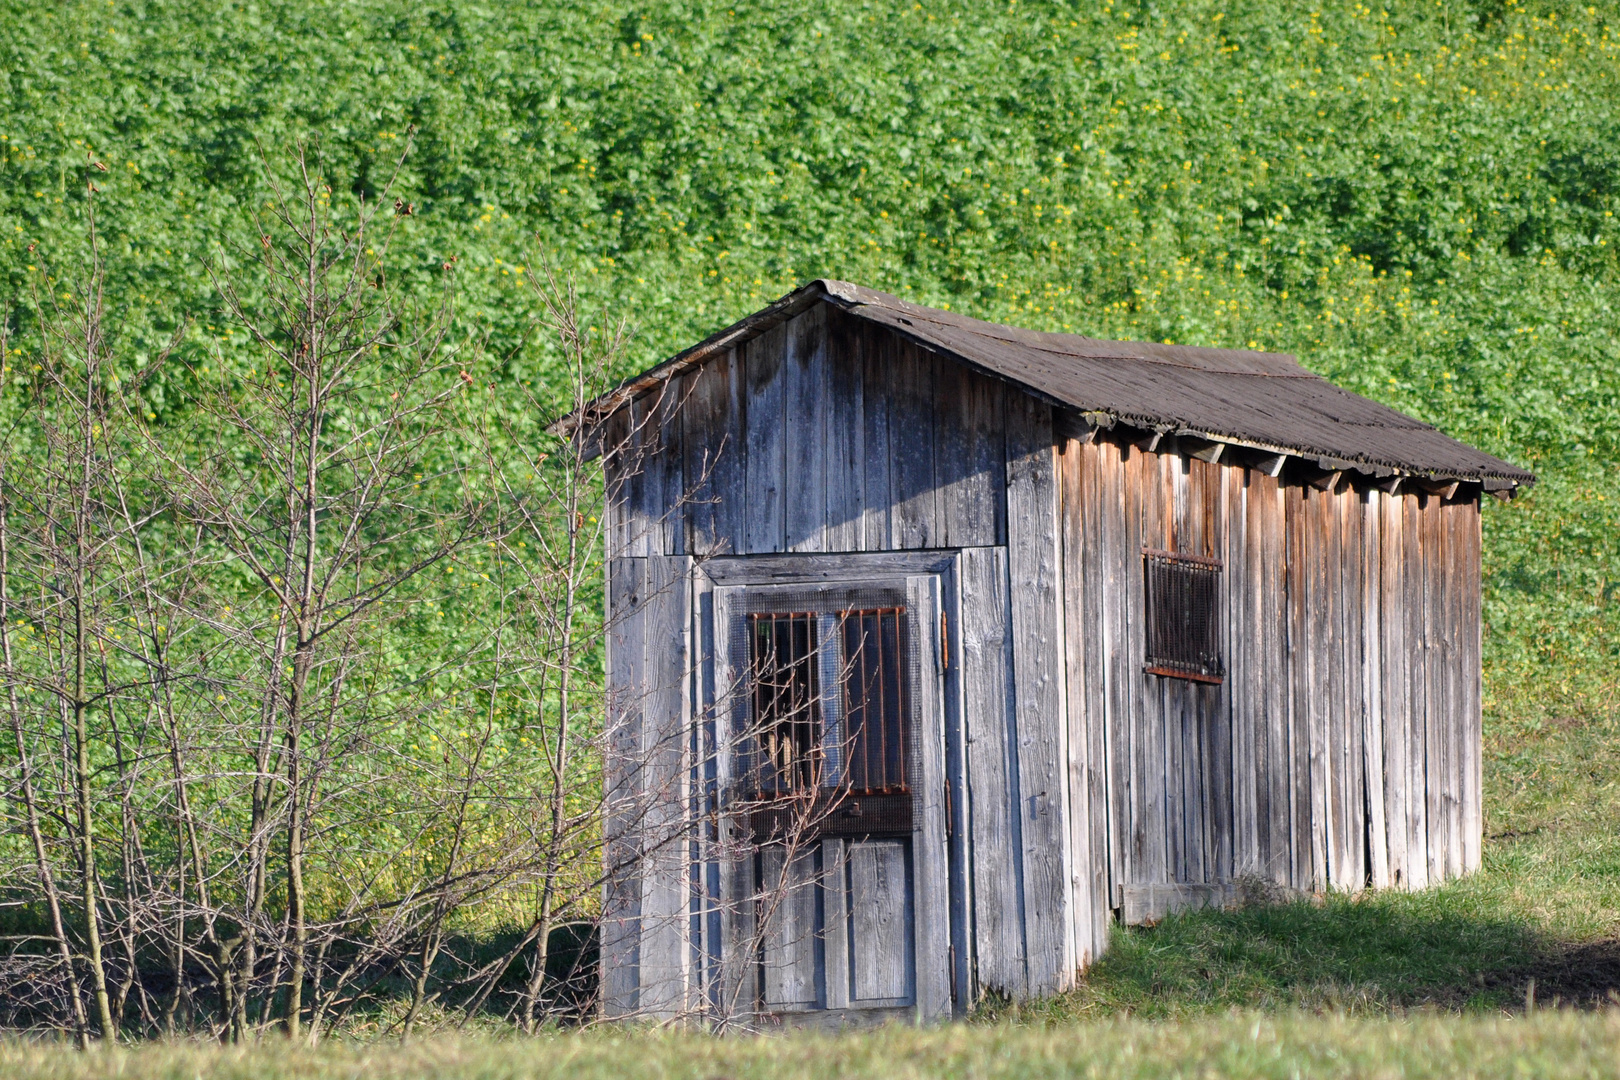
x=835 y=818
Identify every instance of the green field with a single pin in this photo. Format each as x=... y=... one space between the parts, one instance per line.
x=1418 y=199
x=1549 y=1045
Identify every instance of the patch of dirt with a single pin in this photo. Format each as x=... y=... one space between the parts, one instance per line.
x=1583 y=975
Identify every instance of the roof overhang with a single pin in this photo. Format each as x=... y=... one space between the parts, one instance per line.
x=1041 y=364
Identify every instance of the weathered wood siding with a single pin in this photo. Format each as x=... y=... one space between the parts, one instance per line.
x=1342 y=747
x=822 y=435
x=647 y=934
x=827 y=435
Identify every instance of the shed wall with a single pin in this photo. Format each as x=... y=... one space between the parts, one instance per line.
x=829 y=435
x=825 y=434
x=1342 y=749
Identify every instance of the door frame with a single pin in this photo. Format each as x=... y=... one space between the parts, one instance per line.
x=943 y=925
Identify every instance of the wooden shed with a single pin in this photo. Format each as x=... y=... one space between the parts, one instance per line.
x=939 y=646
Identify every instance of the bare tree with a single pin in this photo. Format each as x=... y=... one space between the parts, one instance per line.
x=305 y=683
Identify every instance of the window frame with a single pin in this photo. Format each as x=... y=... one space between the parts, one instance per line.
x=1201 y=666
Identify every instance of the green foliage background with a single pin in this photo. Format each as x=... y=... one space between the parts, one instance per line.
x=1417 y=198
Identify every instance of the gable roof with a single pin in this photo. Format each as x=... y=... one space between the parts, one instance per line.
x=1256 y=399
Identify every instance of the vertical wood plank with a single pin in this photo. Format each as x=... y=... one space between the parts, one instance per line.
x=1087 y=791
x=764 y=522
x=1034 y=561
x=877 y=391
x=1396 y=671
x=808 y=427
x=1451 y=583
x=642 y=470
x=1321 y=610
x=1436 y=713
x=1113 y=588
x=970 y=469
x=1299 y=704
x=736 y=977
x=1150 y=490
x=647 y=472
x=1468 y=580
x=911 y=445
x=1372 y=653
x=622 y=812
x=791 y=939
x=992 y=760
x=1170 y=694
x=930 y=856
x=1243 y=647
x=665 y=970
x=705 y=807
x=1355 y=806
x=958 y=809
x=883 y=957
x=1221 y=796
x=1418 y=791
x=1275 y=551
x=627 y=538
x=1332 y=653
x=845 y=433
x=1344 y=870
x=712 y=441
x=835 y=916
x=672 y=492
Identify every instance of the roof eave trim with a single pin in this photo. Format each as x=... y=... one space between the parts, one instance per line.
x=1490 y=481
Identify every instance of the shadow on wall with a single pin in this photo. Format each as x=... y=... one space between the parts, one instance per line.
x=1370 y=953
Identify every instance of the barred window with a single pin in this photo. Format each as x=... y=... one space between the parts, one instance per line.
x=857 y=736
x=783 y=649
x=1183 y=615
x=875 y=699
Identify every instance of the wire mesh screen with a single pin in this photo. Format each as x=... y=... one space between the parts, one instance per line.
x=783 y=651
x=875 y=706
x=824 y=722
x=1183 y=616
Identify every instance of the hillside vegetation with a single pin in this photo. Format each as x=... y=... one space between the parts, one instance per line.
x=1417 y=199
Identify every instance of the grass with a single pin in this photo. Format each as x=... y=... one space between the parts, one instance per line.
x=1545 y=907
x=1549 y=1044
x=1388 y=984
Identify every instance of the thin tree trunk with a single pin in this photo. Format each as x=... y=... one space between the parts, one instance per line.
x=295 y=845
x=42 y=865
x=559 y=760
x=83 y=794
x=83 y=797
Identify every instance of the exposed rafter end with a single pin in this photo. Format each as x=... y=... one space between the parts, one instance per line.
x=1445 y=488
x=1271 y=464
x=1390 y=484
x=1210 y=453
x=1076 y=428
x=1496 y=488
x=1149 y=442
x=1327 y=481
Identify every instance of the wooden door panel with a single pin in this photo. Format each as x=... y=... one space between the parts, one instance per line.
x=857 y=924
x=792 y=938
x=882 y=961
